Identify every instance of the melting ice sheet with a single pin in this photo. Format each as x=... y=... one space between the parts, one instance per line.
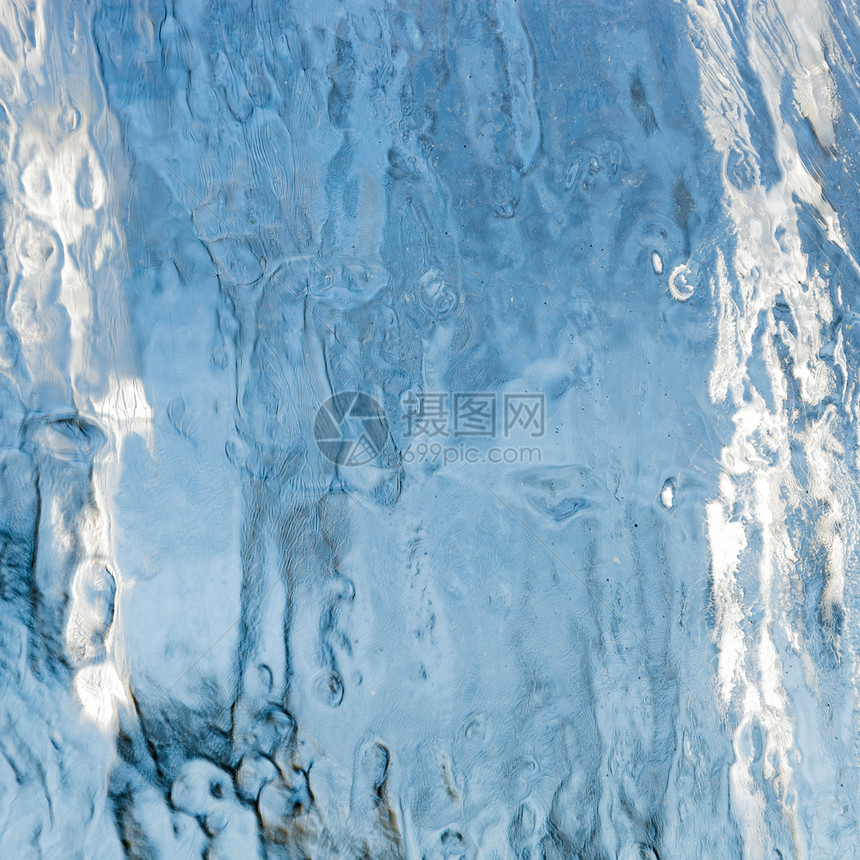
x=429 y=429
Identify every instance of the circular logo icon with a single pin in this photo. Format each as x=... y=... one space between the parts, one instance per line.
x=350 y=429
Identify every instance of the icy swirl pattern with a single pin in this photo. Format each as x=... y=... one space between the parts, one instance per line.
x=429 y=429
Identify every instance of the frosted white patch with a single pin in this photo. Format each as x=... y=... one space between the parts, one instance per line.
x=101 y=693
x=125 y=406
x=681 y=284
x=728 y=541
x=726 y=372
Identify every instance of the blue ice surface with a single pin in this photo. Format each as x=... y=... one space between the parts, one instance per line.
x=429 y=429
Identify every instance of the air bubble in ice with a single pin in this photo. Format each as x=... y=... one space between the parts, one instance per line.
x=329 y=689
x=667 y=494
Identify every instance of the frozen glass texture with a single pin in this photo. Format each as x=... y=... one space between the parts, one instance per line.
x=429 y=429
